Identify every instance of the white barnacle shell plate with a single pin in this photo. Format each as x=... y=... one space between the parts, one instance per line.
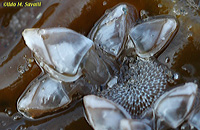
x=111 y=31
x=194 y=119
x=103 y=114
x=96 y=70
x=58 y=50
x=174 y=106
x=153 y=34
x=42 y=96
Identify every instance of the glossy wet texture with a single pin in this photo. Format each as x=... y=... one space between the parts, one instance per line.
x=169 y=111
x=17 y=69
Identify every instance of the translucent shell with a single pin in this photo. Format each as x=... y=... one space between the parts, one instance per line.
x=153 y=35
x=194 y=119
x=103 y=114
x=96 y=70
x=174 y=106
x=111 y=31
x=58 y=50
x=42 y=96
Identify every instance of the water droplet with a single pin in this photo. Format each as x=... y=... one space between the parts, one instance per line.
x=39 y=16
x=21 y=69
x=176 y=76
x=104 y=3
x=117 y=25
x=29 y=65
x=143 y=14
x=8 y=112
x=24 y=57
x=17 y=116
x=163 y=38
x=176 y=11
x=179 y=10
x=189 y=35
x=160 y=5
x=41 y=64
x=21 y=127
x=3 y=123
x=112 y=82
x=42 y=31
x=189 y=27
x=107 y=11
x=182 y=127
x=26 y=68
x=30 y=60
x=190 y=69
x=167 y=60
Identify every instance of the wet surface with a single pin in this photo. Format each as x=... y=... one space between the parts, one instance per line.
x=17 y=68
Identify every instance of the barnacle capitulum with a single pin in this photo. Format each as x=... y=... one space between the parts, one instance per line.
x=58 y=50
x=103 y=114
x=43 y=95
x=139 y=86
x=96 y=70
x=174 y=106
x=153 y=34
x=111 y=31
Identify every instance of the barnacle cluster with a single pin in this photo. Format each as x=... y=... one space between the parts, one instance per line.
x=117 y=62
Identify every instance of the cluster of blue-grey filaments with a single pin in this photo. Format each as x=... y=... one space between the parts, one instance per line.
x=140 y=84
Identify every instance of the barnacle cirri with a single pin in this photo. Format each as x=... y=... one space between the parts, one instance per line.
x=142 y=82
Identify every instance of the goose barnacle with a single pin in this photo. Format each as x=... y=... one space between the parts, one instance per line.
x=67 y=56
